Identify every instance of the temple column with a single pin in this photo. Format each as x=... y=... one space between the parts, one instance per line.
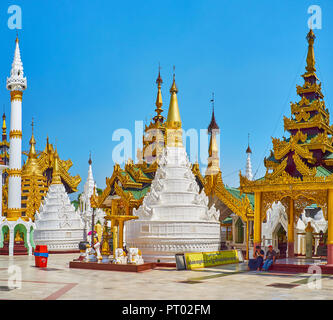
x=28 y=242
x=330 y=227
x=291 y=229
x=247 y=240
x=14 y=172
x=11 y=241
x=115 y=240
x=121 y=234
x=257 y=219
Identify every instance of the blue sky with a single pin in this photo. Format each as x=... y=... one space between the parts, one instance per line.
x=91 y=68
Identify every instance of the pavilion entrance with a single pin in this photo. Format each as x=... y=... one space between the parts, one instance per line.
x=280 y=238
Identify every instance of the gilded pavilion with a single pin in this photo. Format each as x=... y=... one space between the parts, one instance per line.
x=299 y=168
x=126 y=188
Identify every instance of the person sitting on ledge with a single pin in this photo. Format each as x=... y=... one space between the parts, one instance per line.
x=256 y=263
x=270 y=258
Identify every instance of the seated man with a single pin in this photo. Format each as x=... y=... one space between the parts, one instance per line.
x=270 y=258
x=258 y=255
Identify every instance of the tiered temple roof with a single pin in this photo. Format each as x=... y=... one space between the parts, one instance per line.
x=309 y=149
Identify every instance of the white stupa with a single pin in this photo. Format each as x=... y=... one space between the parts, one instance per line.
x=85 y=209
x=58 y=225
x=174 y=217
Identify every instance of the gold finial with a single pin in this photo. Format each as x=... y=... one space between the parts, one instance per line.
x=32 y=142
x=4 y=126
x=159 y=102
x=310 y=59
x=56 y=179
x=17 y=38
x=174 y=121
x=174 y=87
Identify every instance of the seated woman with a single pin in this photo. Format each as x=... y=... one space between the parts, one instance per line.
x=256 y=263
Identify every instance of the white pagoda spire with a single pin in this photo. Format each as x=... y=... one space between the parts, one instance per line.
x=90 y=183
x=85 y=209
x=248 y=173
x=16 y=83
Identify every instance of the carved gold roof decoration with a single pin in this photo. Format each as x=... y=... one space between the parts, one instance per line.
x=282 y=147
x=310 y=88
x=305 y=106
x=46 y=162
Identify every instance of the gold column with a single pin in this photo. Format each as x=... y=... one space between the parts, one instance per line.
x=257 y=219
x=121 y=233
x=330 y=227
x=115 y=240
x=247 y=240
x=291 y=226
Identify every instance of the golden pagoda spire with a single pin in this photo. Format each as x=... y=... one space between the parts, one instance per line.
x=310 y=59
x=173 y=120
x=31 y=167
x=174 y=123
x=4 y=126
x=159 y=102
x=56 y=179
x=32 y=142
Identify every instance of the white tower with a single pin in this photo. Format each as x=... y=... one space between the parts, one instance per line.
x=85 y=209
x=16 y=83
x=248 y=173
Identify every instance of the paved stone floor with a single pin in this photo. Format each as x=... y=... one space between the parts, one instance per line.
x=58 y=281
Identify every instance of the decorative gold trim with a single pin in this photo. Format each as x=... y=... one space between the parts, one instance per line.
x=302 y=167
x=13 y=213
x=14 y=172
x=15 y=134
x=302 y=115
x=305 y=105
x=278 y=170
x=16 y=95
x=281 y=148
x=317 y=121
x=309 y=88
